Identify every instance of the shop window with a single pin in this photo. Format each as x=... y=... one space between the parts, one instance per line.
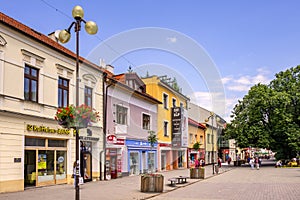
x=63 y=92
x=30 y=83
x=45 y=166
x=57 y=143
x=34 y=142
x=61 y=164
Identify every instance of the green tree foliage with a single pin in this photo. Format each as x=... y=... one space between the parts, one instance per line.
x=152 y=139
x=268 y=116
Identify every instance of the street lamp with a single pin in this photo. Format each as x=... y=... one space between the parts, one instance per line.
x=212 y=116
x=64 y=37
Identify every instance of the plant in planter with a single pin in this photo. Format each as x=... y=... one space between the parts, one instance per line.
x=152 y=139
x=80 y=116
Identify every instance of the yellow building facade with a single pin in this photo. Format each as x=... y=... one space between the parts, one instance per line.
x=171 y=154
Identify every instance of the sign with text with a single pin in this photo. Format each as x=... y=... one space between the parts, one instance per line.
x=176 y=126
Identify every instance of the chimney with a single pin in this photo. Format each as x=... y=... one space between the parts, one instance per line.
x=110 y=68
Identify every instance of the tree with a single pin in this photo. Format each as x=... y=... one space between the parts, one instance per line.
x=268 y=116
x=196 y=146
x=152 y=139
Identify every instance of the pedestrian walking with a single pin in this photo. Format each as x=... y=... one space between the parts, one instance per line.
x=229 y=160
x=256 y=161
x=251 y=162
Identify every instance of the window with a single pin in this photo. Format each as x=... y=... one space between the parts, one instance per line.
x=57 y=143
x=174 y=102
x=121 y=115
x=88 y=92
x=165 y=100
x=63 y=92
x=201 y=139
x=181 y=105
x=30 y=83
x=146 y=121
x=165 y=128
x=34 y=141
x=191 y=138
x=208 y=138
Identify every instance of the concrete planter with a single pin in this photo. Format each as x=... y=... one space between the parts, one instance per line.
x=152 y=183
x=197 y=173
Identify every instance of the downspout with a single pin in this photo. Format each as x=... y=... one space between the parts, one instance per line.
x=112 y=82
x=104 y=122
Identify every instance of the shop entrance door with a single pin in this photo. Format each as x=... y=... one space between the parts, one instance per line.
x=163 y=161
x=86 y=166
x=113 y=167
x=30 y=168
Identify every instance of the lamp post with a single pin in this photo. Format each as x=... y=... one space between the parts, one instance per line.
x=212 y=116
x=64 y=37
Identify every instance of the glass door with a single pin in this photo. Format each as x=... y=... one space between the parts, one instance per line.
x=134 y=163
x=45 y=166
x=61 y=164
x=151 y=162
x=29 y=168
x=86 y=166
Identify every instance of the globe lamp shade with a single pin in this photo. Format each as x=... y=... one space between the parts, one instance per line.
x=64 y=36
x=77 y=12
x=91 y=27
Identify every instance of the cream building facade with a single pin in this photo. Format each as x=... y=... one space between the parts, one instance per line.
x=34 y=149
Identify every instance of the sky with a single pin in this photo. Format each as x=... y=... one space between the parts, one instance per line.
x=215 y=49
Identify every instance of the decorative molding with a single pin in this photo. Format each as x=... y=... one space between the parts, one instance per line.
x=28 y=53
x=2 y=41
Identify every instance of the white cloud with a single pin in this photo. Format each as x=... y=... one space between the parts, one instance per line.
x=243 y=83
x=172 y=39
x=226 y=79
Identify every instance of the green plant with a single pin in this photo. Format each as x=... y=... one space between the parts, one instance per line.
x=152 y=139
x=196 y=146
x=80 y=116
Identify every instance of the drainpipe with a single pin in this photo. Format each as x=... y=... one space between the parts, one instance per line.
x=105 y=92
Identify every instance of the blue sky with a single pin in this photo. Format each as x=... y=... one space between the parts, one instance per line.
x=247 y=41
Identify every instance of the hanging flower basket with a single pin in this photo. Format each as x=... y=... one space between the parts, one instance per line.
x=76 y=117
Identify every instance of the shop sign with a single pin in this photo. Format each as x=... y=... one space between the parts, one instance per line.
x=138 y=143
x=87 y=138
x=176 y=127
x=45 y=129
x=226 y=151
x=112 y=139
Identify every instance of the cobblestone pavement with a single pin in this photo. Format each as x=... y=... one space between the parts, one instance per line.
x=267 y=183
x=241 y=182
